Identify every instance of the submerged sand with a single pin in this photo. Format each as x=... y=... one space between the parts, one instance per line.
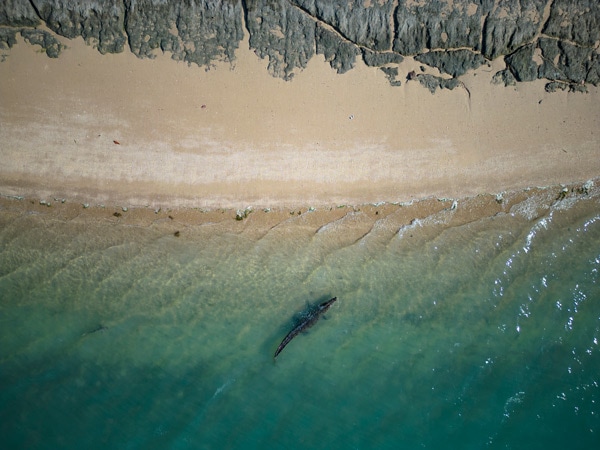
x=118 y=130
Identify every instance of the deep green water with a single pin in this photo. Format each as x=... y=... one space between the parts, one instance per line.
x=483 y=335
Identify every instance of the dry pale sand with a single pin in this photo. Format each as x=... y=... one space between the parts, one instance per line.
x=235 y=136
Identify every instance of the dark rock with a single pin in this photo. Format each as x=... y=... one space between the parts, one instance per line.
x=478 y=25
x=578 y=88
x=504 y=77
x=340 y=53
x=510 y=25
x=210 y=31
x=391 y=73
x=554 y=86
x=8 y=37
x=367 y=24
x=593 y=74
x=199 y=32
x=194 y=31
x=18 y=13
x=522 y=65
x=47 y=41
x=563 y=61
x=100 y=23
x=452 y=62
x=150 y=26
x=377 y=59
x=439 y=24
x=282 y=33
x=433 y=83
x=575 y=21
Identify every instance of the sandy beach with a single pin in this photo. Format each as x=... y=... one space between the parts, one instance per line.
x=118 y=130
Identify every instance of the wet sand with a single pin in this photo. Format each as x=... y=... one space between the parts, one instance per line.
x=120 y=131
x=352 y=222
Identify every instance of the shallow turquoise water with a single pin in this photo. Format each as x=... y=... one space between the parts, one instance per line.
x=483 y=335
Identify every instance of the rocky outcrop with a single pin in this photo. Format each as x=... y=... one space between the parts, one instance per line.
x=364 y=23
x=522 y=63
x=199 y=32
x=18 y=13
x=576 y=21
x=8 y=38
x=45 y=40
x=452 y=62
x=282 y=33
x=426 y=25
x=99 y=22
x=510 y=25
x=340 y=53
x=555 y=40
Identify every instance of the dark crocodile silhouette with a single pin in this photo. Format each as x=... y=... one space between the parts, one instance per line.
x=308 y=321
x=98 y=329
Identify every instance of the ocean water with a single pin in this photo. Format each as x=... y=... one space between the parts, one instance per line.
x=479 y=335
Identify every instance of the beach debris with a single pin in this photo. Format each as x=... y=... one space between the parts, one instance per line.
x=351 y=116
x=125 y=208
x=267 y=210
x=86 y=205
x=411 y=75
x=203 y=107
x=117 y=214
x=157 y=210
x=499 y=198
x=454 y=205
x=45 y=203
x=177 y=233
x=562 y=194
x=241 y=215
x=116 y=142
x=587 y=187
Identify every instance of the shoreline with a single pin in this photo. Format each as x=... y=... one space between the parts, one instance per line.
x=358 y=220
